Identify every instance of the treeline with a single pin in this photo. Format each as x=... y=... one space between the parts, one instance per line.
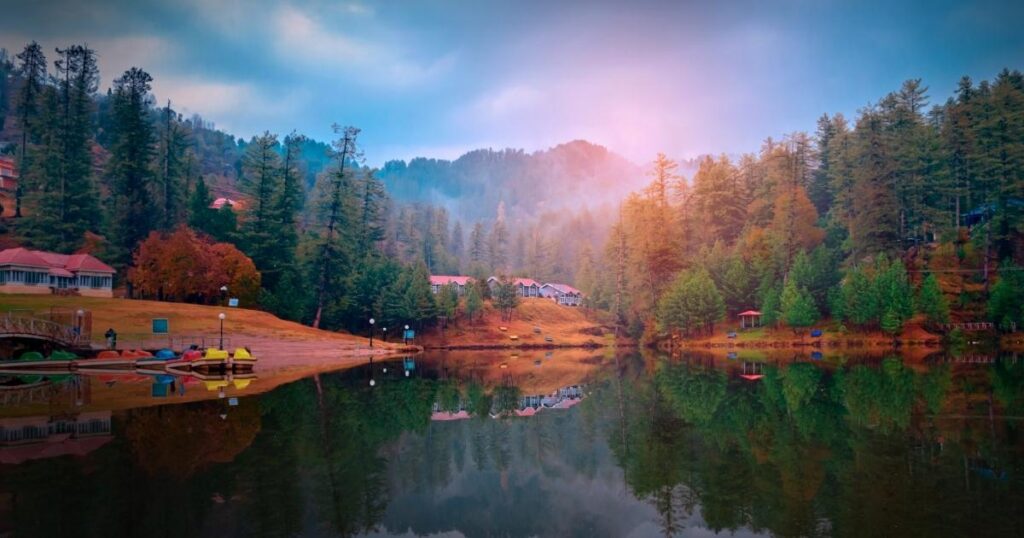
x=133 y=183
x=904 y=192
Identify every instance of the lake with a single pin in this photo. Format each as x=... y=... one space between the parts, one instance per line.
x=493 y=444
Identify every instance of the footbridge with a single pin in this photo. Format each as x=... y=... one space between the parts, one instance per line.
x=66 y=335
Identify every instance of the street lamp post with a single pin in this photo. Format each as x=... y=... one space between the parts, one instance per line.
x=224 y=294
x=385 y=336
x=79 y=322
x=405 y=336
x=371 y=331
x=222 y=315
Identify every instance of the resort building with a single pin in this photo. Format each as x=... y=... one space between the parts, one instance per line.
x=40 y=437
x=525 y=287
x=35 y=271
x=460 y=282
x=562 y=294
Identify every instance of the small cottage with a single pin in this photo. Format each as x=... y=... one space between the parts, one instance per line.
x=525 y=287
x=562 y=294
x=460 y=282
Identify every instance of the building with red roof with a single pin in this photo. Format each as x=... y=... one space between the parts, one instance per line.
x=35 y=271
x=40 y=437
x=221 y=202
x=437 y=281
x=562 y=294
x=525 y=287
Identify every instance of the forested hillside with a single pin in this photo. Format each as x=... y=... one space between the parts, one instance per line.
x=909 y=208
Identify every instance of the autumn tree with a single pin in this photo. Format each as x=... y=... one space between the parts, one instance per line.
x=183 y=266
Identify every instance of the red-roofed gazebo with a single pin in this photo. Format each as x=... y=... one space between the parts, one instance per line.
x=750 y=319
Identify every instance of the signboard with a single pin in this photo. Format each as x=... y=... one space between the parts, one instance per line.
x=233 y=302
x=232 y=401
x=409 y=334
x=161 y=326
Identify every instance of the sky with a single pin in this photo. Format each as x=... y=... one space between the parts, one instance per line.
x=437 y=78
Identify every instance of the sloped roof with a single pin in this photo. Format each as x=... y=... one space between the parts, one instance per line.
x=565 y=288
x=518 y=281
x=445 y=415
x=750 y=313
x=221 y=202
x=22 y=256
x=53 y=260
x=442 y=280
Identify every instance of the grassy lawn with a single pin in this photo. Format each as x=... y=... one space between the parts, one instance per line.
x=133 y=319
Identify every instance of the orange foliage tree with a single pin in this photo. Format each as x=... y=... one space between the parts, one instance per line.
x=183 y=266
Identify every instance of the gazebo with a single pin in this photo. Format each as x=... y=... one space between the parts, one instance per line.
x=750 y=319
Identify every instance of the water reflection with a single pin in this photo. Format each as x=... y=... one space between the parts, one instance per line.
x=639 y=446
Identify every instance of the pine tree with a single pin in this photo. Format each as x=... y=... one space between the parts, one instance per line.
x=285 y=206
x=875 y=208
x=474 y=303
x=63 y=198
x=931 y=302
x=861 y=304
x=719 y=199
x=456 y=244
x=6 y=68
x=497 y=244
x=820 y=189
x=130 y=168
x=797 y=306
x=261 y=182
x=371 y=214
x=478 y=247
x=1006 y=300
x=172 y=169
x=32 y=71
x=333 y=253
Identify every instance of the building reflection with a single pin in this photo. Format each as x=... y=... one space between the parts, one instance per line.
x=40 y=437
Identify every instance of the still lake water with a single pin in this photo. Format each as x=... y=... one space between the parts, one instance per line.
x=630 y=446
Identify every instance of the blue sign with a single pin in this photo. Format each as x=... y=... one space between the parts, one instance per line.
x=160 y=326
x=233 y=301
x=409 y=334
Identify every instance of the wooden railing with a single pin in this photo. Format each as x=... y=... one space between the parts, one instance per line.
x=42 y=329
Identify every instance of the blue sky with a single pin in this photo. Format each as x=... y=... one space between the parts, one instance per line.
x=436 y=77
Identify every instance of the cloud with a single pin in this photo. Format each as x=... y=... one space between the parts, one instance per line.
x=505 y=101
x=298 y=38
x=240 y=108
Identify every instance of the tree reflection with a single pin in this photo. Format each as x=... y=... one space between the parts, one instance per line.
x=865 y=450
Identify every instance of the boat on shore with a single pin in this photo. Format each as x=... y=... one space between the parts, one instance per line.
x=192 y=359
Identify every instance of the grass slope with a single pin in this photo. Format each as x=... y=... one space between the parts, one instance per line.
x=566 y=325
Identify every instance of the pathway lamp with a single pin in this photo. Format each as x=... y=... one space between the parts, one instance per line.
x=372 y=321
x=79 y=322
x=221 y=316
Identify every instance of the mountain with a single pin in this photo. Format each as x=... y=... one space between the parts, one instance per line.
x=566 y=177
